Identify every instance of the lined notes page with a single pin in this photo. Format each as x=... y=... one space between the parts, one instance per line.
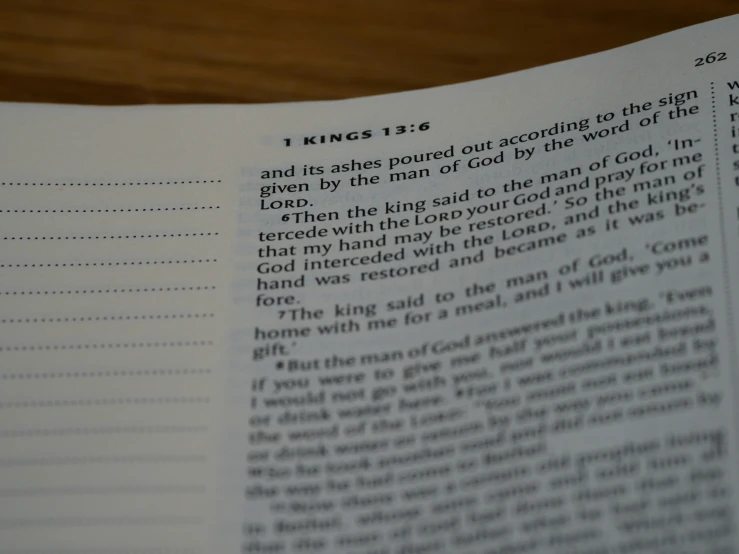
x=112 y=278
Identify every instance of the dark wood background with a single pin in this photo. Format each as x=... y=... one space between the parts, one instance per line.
x=165 y=51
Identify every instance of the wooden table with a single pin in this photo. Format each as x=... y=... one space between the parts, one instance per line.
x=164 y=51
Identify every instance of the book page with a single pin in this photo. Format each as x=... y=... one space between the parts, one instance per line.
x=497 y=317
x=493 y=317
x=114 y=264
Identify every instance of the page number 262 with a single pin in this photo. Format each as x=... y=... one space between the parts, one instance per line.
x=713 y=57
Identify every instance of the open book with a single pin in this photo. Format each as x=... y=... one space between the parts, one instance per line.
x=497 y=317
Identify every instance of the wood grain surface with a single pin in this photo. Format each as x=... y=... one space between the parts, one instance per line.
x=165 y=51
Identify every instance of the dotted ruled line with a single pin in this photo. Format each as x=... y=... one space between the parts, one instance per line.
x=117 y=237
x=715 y=139
x=85 y=431
x=64 y=521
x=104 y=346
x=109 y=264
x=104 y=291
x=124 y=550
x=105 y=318
x=90 y=490
x=120 y=184
x=82 y=402
x=75 y=460
x=108 y=210
x=108 y=373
